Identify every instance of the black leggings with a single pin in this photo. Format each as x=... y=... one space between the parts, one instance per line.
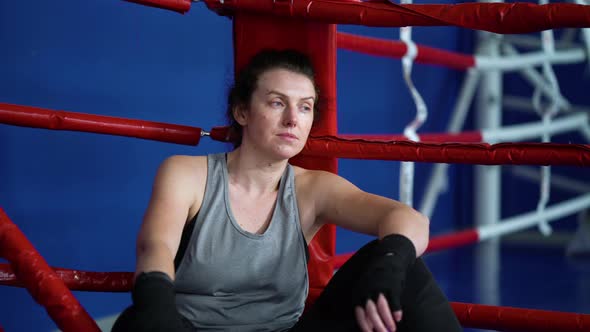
x=425 y=307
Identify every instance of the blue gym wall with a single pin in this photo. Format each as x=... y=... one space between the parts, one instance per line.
x=80 y=197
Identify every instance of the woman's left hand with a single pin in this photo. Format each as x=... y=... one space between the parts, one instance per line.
x=377 y=316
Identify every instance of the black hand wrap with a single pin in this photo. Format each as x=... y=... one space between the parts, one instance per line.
x=154 y=301
x=386 y=272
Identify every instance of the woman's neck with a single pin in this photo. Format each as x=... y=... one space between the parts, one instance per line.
x=252 y=173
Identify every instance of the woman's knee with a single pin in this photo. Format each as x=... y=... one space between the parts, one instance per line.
x=127 y=321
x=426 y=308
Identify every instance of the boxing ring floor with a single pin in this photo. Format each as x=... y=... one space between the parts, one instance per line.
x=530 y=276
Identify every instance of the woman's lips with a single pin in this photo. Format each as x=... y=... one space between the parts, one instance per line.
x=288 y=136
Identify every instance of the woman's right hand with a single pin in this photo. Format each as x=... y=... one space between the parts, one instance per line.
x=377 y=316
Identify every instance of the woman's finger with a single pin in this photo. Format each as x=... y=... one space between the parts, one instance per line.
x=361 y=319
x=374 y=317
x=385 y=312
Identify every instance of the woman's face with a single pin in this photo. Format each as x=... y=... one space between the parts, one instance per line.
x=280 y=115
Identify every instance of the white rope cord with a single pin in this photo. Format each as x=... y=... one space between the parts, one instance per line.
x=545 y=188
x=537 y=80
x=407 y=62
x=577 y=121
x=406 y=187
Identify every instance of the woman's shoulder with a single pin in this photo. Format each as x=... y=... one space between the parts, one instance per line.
x=312 y=187
x=184 y=163
x=183 y=177
x=311 y=178
x=311 y=173
x=318 y=183
x=302 y=174
x=183 y=168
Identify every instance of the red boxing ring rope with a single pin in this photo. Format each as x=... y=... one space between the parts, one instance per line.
x=449 y=59
x=36 y=117
x=78 y=280
x=463 y=137
x=397 y=49
x=180 y=6
x=517 y=319
x=494 y=17
x=455 y=153
x=40 y=280
x=469 y=315
x=320 y=146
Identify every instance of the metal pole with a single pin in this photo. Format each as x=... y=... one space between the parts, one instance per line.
x=487 y=178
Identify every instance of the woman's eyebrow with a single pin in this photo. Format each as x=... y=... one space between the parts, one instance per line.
x=270 y=92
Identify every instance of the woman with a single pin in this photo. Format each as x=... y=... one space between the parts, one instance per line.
x=223 y=244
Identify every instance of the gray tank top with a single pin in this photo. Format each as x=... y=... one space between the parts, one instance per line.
x=232 y=280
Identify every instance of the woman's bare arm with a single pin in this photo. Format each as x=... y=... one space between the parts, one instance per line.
x=340 y=202
x=175 y=193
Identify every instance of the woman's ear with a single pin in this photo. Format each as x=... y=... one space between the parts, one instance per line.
x=240 y=114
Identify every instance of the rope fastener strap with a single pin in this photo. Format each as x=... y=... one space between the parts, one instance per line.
x=179 y=6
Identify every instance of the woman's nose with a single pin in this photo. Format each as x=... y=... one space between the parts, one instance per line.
x=290 y=116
